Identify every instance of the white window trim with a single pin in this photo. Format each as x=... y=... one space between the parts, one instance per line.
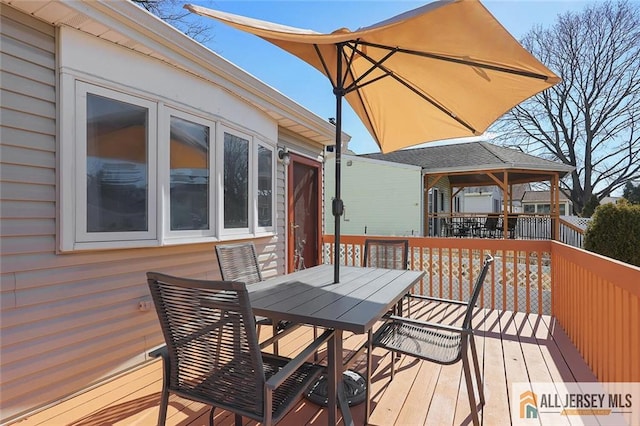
x=248 y=231
x=164 y=177
x=272 y=149
x=72 y=173
x=81 y=235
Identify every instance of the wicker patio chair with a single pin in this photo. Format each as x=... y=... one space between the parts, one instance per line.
x=239 y=262
x=212 y=354
x=440 y=343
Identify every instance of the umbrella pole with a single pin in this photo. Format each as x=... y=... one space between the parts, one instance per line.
x=338 y=206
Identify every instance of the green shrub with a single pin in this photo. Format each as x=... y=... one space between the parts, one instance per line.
x=614 y=231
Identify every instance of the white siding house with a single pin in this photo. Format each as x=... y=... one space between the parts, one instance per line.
x=380 y=197
x=102 y=91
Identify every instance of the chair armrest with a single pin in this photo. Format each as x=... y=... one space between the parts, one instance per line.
x=419 y=323
x=162 y=351
x=438 y=299
x=278 y=378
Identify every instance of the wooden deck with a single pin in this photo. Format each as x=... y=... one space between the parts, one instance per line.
x=514 y=347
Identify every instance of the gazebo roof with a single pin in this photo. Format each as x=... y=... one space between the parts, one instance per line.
x=467 y=163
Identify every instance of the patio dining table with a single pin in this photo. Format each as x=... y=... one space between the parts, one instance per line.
x=355 y=304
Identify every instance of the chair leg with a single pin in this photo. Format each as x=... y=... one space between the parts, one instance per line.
x=367 y=401
x=275 y=331
x=476 y=367
x=470 y=392
x=238 y=420
x=164 y=399
x=164 y=403
x=211 y=413
x=393 y=365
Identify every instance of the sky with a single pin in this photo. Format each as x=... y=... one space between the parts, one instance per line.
x=307 y=86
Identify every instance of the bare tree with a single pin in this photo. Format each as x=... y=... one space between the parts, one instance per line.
x=172 y=12
x=591 y=120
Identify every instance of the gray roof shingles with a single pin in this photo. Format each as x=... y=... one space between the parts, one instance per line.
x=469 y=155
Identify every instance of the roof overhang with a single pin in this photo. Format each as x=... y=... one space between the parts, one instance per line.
x=127 y=25
x=481 y=175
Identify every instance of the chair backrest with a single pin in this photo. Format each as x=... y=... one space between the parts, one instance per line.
x=210 y=334
x=239 y=262
x=512 y=222
x=491 y=223
x=390 y=254
x=477 y=288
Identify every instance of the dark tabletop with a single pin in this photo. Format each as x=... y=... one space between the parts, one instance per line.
x=309 y=296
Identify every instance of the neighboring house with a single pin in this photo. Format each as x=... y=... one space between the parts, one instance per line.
x=610 y=200
x=373 y=191
x=537 y=202
x=487 y=199
x=461 y=165
x=127 y=147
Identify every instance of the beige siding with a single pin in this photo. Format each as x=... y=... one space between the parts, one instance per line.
x=69 y=320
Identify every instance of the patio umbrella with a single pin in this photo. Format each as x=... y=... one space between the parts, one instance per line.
x=444 y=70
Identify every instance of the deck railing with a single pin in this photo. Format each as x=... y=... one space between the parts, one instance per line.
x=597 y=302
x=595 y=299
x=571 y=233
x=519 y=280
x=474 y=225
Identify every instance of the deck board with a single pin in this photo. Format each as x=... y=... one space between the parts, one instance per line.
x=513 y=347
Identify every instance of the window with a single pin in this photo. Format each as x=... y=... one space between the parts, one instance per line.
x=543 y=208
x=114 y=163
x=530 y=208
x=191 y=208
x=265 y=187
x=236 y=182
x=137 y=172
x=248 y=178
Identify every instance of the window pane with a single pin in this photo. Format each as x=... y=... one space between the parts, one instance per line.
x=544 y=208
x=189 y=164
x=529 y=208
x=236 y=182
x=117 y=185
x=563 y=210
x=265 y=186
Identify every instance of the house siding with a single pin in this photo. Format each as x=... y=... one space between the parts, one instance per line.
x=380 y=198
x=69 y=321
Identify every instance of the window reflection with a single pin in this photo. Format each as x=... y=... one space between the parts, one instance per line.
x=236 y=182
x=189 y=181
x=117 y=189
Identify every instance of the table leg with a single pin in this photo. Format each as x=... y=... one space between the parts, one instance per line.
x=338 y=369
x=332 y=376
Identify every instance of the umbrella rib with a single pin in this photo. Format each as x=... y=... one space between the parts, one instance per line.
x=349 y=60
x=459 y=61
x=375 y=64
x=324 y=66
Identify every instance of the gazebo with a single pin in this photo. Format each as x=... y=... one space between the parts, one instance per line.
x=448 y=169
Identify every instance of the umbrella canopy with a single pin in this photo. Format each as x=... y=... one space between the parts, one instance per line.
x=444 y=70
